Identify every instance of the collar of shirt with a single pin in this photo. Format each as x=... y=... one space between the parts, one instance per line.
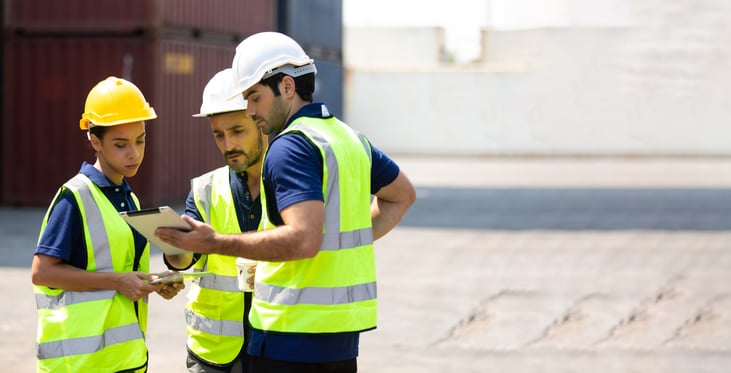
x=315 y=109
x=100 y=180
x=238 y=181
x=241 y=175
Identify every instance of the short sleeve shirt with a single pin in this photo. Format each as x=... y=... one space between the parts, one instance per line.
x=64 y=235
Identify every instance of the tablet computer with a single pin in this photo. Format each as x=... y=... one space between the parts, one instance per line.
x=146 y=221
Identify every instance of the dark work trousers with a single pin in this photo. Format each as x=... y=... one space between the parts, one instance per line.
x=263 y=365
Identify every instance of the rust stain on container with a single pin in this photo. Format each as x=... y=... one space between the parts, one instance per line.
x=178 y=63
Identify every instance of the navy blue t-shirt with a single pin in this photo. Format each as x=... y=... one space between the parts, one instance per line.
x=292 y=173
x=64 y=234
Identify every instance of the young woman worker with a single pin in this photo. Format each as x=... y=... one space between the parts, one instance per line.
x=90 y=268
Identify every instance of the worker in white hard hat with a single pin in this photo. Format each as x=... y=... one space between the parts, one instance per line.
x=90 y=269
x=228 y=199
x=327 y=194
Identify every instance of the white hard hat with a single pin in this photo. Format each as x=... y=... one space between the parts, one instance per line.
x=265 y=54
x=218 y=95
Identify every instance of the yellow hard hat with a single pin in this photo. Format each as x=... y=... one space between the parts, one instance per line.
x=115 y=101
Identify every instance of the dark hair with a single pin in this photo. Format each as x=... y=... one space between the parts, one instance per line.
x=304 y=85
x=98 y=131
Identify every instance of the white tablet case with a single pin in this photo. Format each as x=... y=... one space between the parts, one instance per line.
x=146 y=221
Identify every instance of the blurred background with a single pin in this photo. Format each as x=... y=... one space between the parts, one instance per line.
x=572 y=160
x=55 y=51
x=476 y=78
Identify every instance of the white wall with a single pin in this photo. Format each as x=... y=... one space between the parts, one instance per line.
x=370 y=48
x=659 y=87
x=531 y=14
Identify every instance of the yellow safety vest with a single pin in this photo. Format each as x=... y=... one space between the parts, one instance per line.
x=94 y=331
x=214 y=313
x=336 y=290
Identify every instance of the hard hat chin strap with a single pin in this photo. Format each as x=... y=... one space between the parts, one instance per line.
x=88 y=131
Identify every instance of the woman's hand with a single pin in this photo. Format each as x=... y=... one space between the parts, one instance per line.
x=169 y=291
x=133 y=285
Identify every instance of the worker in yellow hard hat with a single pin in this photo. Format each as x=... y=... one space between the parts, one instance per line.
x=90 y=269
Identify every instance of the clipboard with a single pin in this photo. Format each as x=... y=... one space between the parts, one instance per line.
x=179 y=277
x=146 y=221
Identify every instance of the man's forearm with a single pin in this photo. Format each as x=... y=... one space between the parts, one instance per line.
x=274 y=245
x=390 y=205
x=386 y=215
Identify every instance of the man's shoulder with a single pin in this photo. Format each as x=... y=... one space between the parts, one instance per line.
x=290 y=144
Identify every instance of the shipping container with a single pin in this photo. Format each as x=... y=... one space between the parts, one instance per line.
x=239 y=17
x=2 y=93
x=317 y=25
x=329 y=86
x=48 y=78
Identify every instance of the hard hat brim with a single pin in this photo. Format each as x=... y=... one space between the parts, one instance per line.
x=208 y=115
x=85 y=120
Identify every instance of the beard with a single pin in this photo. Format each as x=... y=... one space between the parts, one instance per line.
x=276 y=119
x=247 y=158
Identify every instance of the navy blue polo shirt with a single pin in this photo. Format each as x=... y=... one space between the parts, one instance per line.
x=292 y=173
x=64 y=234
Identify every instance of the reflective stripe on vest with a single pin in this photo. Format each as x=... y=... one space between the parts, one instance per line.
x=334 y=239
x=88 y=345
x=68 y=298
x=82 y=329
x=219 y=282
x=294 y=303
x=102 y=258
x=230 y=328
x=340 y=295
x=215 y=313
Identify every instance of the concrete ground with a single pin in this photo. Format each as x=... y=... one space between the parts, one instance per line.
x=523 y=299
